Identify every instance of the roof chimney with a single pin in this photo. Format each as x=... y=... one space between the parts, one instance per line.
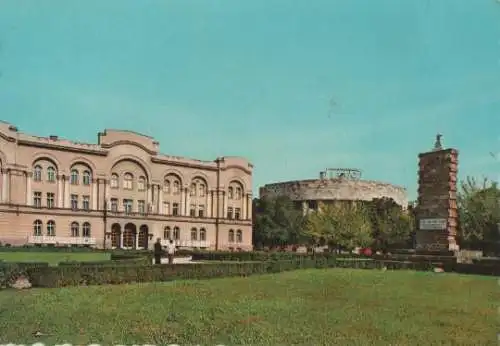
x=53 y=138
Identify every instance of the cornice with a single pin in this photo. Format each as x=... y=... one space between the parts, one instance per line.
x=246 y=170
x=7 y=138
x=127 y=142
x=182 y=164
x=54 y=146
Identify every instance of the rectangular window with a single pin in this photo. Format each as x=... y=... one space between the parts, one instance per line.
x=141 y=207
x=201 y=211
x=74 y=202
x=114 y=205
x=192 y=210
x=37 y=199
x=229 y=213
x=86 y=178
x=50 y=200
x=166 y=208
x=86 y=202
x=127 y=205
x=237 y=213
x=175 y=209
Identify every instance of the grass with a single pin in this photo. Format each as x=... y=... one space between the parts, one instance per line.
x=320 y=307
x=53 y=258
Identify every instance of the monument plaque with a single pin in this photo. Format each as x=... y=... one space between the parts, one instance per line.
x=436 y=211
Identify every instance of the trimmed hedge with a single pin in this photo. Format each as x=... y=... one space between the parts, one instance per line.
x=263 y=256
x=49 y=249
x=98 y=275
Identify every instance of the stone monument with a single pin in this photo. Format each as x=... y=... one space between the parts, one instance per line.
x=436 y=211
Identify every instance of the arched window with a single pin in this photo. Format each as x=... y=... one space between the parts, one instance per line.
x=238 y=193
x=166 y=233
x=201 y=190
x=166 y=186
x=37 y=173
x=230 y=193
x=230 y=237
x=114 y=180
x=74 y=177
x=192 y=190
x=86 y=230
x=203 y=234
x=239 y=236
x=75 y=229
x=37 y=228
x=177 y=187
x=141 y=184
x=128 y=181
x=86 y=178
x=51 y=174
x=194 y=234
x=51 y=228
x=177 y=233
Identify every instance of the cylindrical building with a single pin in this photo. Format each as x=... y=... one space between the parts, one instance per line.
x=335 y=185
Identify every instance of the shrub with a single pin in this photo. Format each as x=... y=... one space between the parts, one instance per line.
x=97 y=274
x=9 y=272
x=262 y=256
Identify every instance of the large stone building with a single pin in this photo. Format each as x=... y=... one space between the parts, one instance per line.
x=334 y=186
x=119 y=193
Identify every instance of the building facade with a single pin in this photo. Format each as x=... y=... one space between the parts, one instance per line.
x=119 y=193
x=334 y=186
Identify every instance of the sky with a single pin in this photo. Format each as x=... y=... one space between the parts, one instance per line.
x=293 y=86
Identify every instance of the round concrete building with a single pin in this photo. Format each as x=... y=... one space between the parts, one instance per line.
x=335 y=184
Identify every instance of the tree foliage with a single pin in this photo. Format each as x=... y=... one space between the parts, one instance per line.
x=479 y=211
x=339 y=226
x=276 y=222
x=391 y=226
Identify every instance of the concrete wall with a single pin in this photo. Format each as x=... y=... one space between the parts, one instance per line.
x=336 y=189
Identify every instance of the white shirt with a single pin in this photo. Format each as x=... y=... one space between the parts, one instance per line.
x=170 y=249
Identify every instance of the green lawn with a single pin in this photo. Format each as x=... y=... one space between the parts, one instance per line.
x=318 y=307
x=53 y=258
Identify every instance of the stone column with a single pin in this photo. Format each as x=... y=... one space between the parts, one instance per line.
x=60 y=198
x=249 y=206
x=5 y=186
x=154 y=198
x=67 y=203
x=160 y=200
x=181 y=212
x=188 y=202
x=148 y=197
x=244 y=207
x=136 y=240
x=94 y=194
x=209 y=204
x=108 y=198
x=28 y=188
x=121 y=239
x=224 y=205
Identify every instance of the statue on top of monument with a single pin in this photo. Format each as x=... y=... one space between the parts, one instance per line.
x=437 y=144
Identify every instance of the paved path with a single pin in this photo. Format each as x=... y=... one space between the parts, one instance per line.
x=177 y=260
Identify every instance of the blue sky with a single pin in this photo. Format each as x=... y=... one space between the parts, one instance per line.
x=257 y=79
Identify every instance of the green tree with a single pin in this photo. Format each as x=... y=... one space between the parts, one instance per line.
x=478 y=206
x=276 y=222
x=391 y=225
x=340 y=226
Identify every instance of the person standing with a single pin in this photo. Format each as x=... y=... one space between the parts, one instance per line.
x=158 y=251
x=170 y=251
